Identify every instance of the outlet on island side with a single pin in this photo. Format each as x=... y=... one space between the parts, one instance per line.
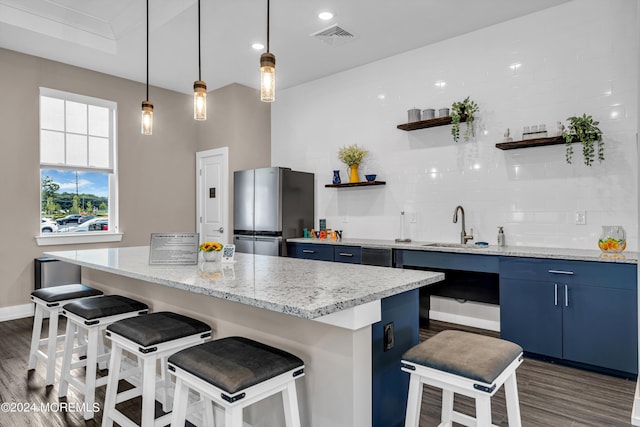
x=388 y=336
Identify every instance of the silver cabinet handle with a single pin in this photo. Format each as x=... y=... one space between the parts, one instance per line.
x=345 y=254
x=556 y=294
x=308 y=251
x=566 y=296
x=561 y=272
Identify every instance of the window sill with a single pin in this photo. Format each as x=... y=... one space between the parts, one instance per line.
x=79 y=238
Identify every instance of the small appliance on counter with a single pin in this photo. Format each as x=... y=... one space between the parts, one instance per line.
x=271 y=205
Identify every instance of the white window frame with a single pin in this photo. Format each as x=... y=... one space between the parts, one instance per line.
x=113 y=234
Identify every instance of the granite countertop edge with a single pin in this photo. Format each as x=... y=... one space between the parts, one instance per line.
x=626 y=257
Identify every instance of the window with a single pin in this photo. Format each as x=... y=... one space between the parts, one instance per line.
x=78 y=178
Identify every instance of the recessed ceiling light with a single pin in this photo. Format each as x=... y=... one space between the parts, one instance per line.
x=257 y=46
x=326 y=15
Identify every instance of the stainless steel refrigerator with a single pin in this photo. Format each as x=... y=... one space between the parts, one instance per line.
x=271 y=205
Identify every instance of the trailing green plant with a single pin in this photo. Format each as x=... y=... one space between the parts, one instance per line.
x=585 y=130
x=352 y=155
x=460 y=109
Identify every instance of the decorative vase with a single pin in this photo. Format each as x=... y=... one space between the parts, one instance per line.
x=613 y=239
x=353 y=173
x=213 y=256
x=336 y=177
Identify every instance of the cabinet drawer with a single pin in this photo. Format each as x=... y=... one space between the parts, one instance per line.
x=311 y=251
x=348 y=254
x=604 y=274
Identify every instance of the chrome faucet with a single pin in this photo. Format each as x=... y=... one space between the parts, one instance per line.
x=463 y=234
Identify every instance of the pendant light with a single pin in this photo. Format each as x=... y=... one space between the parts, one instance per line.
x=199 y=87
x=267 y=70
x=147 y=106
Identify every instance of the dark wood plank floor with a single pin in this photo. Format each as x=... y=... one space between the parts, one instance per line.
x=550 y=395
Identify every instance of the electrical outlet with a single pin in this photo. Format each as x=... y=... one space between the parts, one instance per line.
x=388 y=336
x=345 y=219
x=581 y=217
x=413 y=218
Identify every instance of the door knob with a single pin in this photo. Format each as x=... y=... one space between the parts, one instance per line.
x=220 y=230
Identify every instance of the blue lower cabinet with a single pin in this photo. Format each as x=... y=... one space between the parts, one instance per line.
x=600 y=327
x=396 y=333
x=582 y=312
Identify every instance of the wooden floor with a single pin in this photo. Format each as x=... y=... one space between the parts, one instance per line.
x=550 y=395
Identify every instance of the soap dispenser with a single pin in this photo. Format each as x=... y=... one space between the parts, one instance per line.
x=500 y=236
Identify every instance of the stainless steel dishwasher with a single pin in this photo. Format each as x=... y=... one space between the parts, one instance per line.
x=377 y=256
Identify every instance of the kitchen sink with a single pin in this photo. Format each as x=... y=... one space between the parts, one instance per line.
x=454 y=245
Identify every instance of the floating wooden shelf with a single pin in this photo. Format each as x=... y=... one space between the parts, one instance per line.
x=525 y=143
x=423 y=124
x=356 y=184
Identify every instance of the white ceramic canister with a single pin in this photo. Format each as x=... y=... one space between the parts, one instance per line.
x=443 y=112
x=428 y=114
x=414 y=115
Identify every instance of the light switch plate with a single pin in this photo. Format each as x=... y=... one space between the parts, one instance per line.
x=581 y=217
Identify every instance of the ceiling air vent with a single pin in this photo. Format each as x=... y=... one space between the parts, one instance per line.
x=334 y=35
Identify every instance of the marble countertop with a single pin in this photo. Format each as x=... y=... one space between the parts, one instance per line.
x=303 y=288
x=516 y=251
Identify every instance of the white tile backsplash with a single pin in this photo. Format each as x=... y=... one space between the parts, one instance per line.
x=580 y=57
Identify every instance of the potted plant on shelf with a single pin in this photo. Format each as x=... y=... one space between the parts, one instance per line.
x=466 y=108
x=352 y=156
x=585 y=130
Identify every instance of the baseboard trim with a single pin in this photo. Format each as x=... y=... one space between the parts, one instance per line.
x=474 y=322
x=16 y=312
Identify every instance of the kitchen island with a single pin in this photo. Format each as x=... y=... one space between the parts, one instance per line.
x=321 y=312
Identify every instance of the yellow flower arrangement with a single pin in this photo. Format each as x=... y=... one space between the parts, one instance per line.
x=210 y=246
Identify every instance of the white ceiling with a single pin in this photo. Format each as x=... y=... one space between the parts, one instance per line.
x=109 y=35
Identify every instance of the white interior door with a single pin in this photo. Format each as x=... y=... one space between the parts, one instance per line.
x=212 y=195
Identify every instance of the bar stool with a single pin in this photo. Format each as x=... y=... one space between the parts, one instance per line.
x=234 y=373
x=50 y=301
x=469 y=364
x=151 y=338
x=91 y=315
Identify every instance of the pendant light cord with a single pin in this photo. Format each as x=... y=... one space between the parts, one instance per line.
x=268 y=9
x=199 y=58
x=147 y=50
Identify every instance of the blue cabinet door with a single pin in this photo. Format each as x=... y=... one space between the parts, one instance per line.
x=600 y=327
x=531 y=315
x=347 y=254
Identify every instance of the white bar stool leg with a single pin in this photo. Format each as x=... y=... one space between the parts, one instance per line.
x=65 y=371
x=181 y=398
x=148 y=392
x=447 y=407
x=35 y=336
x=290 y=401
x=51 y=347
x=112 y=384
x=90 y=379
x=483 y=411
x=513 y=402
x=233 y=416
x=209 y=416
x=414 y=401
x=101 y=350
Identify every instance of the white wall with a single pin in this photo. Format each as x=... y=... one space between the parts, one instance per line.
x=580 y=57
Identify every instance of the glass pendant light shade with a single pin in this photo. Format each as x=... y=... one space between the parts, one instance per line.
x=200 y=100
x=267 y=77
x=147 y=118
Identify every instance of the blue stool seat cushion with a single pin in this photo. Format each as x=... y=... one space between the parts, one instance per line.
x=65 y=292
x=235 y=363
x=156 y=328
x=109 y=305
x=468 y=355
